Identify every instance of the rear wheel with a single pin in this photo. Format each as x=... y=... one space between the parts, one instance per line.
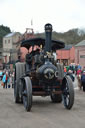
x=68 y=92
x=16 y=81
x=19 y=71
x=27 y=93
x=60 y=71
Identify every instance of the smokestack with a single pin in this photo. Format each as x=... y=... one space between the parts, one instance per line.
x=48 y=37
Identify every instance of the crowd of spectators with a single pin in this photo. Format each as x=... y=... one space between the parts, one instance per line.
x=7 y=79
x=73 y=70
x=77 y=71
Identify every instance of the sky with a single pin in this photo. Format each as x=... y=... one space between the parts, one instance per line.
x=62 y=14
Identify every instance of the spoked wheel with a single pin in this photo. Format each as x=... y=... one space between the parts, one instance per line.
x=27 y=94
x=68 y=92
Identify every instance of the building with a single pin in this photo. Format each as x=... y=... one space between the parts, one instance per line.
x=80 y=53
x=66 y=55
x=9 y=46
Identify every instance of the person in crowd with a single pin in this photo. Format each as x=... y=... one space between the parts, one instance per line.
x=78 y=71
x=65 y=70
x=79 y=67
x=83 y=80
x=5 y=79
x=83 y=69
x=70 y=73
x=13 y=79
x=76 y=68
x=71 y=67
x=10 y=81
x=79 y=77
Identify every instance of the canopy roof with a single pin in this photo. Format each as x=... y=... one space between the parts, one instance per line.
x=41 y=41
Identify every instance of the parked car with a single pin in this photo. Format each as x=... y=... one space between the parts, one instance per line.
x=41 y=75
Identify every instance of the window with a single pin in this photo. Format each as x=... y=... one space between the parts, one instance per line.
x=58 y=60
x=8 y=41
x=5 y=41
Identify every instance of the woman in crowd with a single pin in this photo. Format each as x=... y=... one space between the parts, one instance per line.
x=5 y=79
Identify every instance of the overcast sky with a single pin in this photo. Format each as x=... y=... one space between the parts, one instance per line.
x=62 y=14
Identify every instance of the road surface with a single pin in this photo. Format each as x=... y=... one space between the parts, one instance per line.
x=44 y=113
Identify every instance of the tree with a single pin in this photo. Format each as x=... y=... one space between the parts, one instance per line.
x=72 y=36
x=3 y=31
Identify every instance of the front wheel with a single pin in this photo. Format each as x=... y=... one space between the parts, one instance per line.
x=27 y=93
x=68 y=92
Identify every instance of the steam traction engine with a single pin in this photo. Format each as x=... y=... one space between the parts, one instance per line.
x=41 y=75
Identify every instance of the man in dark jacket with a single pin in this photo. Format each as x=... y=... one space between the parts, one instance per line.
x=83 y=80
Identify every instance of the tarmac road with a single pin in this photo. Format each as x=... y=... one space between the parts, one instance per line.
x=44 y=113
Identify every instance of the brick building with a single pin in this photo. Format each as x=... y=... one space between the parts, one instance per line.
x=80 y=53
x=66 y=55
